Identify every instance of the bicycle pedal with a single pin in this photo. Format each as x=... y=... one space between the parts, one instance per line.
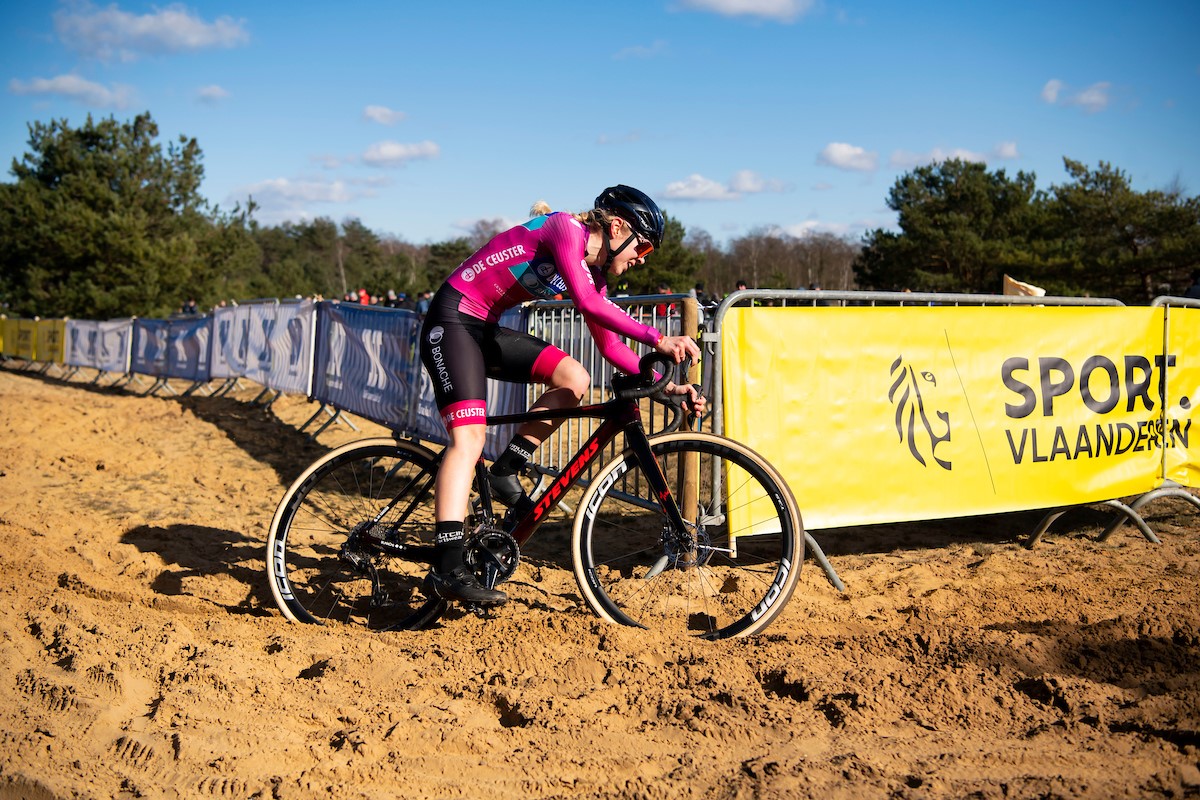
x=481 y=611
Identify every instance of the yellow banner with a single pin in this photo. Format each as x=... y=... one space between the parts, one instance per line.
x=896 y=414
x=25 y=342
x=8 y=336
x=1183 y=396
x=51 y=340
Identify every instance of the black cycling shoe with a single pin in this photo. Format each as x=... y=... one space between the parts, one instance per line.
x=506 y=488
x=460 y=584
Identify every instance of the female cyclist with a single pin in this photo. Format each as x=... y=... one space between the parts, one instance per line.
x=574 y=255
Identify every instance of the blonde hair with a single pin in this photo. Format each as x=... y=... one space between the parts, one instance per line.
x=596 y=220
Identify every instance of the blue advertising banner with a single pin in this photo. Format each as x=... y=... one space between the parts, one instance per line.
x=367 y=361
x=99 y=345
x=149 y=355
x=188 y=348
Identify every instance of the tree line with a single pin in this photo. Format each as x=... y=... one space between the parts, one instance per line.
x=103 y=220
x=963 y=227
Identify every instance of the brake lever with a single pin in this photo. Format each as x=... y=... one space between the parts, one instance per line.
x=679 y=404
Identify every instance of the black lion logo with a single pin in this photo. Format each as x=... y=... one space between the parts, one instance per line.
x=905 y=394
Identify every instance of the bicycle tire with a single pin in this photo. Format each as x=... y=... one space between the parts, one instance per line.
x=748 y=533
x=319 y=565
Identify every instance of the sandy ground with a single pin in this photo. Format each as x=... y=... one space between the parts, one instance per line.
x=141 y=656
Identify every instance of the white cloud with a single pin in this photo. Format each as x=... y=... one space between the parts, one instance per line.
x=1005 y=151
x=657 y=48
x=749 y=182
x=397 y=154
x=1051 y=89
x=112 y=33
x=282 y=199
x=76 y=88
x=698 y=187
x=848 y=157
x=277 y=190
x=382 y=114
x=329 y=161
x=779 y=10
x=1092 y=100
x=811 y=227
x=211 y=94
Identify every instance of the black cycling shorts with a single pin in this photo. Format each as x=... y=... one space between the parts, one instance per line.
x=460 y=352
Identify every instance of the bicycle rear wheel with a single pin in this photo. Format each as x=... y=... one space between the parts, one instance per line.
x=729 y=573
x=345 y=542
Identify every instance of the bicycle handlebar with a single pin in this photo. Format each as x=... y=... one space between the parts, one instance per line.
x=643 y=384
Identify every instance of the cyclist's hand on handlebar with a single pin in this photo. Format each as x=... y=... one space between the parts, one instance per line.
x=695 y=402
x=677 y=347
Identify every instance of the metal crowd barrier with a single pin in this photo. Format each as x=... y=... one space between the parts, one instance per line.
x=800 y=298
x=1132 y=511
x=559 y=322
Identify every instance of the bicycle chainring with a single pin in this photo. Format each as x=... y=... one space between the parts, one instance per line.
x=492 y=554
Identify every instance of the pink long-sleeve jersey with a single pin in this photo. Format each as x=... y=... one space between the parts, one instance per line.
x=540 y=259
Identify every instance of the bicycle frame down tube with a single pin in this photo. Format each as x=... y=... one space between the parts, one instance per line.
x=612 y=424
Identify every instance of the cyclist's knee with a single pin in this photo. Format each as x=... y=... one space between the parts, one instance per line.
x=468 y=440
x=571 y=375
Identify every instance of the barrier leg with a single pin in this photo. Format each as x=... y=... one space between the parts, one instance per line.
x=224 y=388
x=313 y=418
x=1126 y=513
x=1174 y=490
x=819 y=555
x=1043 y=526
x=334 y=416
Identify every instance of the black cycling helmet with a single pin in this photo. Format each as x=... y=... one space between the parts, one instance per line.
x=636 y=208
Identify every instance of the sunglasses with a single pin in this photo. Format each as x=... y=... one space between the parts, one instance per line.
x=641 y=246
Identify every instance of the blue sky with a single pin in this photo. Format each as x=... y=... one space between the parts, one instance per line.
x=420 y=119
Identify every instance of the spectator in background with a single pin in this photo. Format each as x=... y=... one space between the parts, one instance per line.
x=1194 y=290
x=423 y=301
x=663 y=309
x=816 y=287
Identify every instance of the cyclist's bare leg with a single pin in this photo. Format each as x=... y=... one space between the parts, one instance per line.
x=566 y=386
x=453 y=487
x=450 y=578
x=568 y=383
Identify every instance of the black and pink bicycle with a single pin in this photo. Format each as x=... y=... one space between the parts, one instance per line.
x=683 y=531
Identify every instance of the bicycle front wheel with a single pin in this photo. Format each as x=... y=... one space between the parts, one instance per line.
x=345 y=544
x=728 y=573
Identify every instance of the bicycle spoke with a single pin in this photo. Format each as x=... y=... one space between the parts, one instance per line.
x=725 y=575
x=324 y=560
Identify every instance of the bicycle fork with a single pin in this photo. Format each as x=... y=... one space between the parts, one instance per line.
x=679 y=538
